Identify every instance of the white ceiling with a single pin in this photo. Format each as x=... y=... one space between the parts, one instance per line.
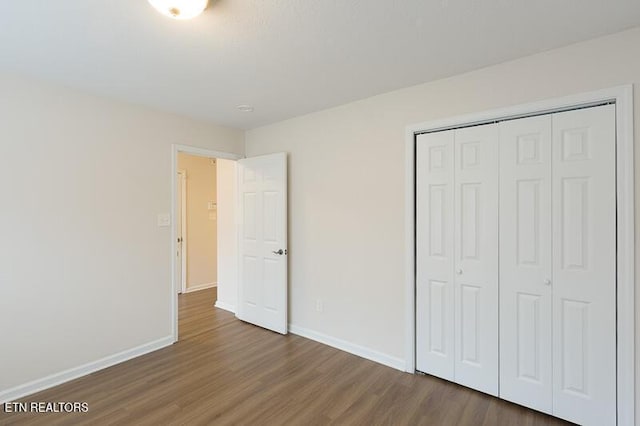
x=284 y=57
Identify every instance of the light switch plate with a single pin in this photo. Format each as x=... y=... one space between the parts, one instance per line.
x=164 y=219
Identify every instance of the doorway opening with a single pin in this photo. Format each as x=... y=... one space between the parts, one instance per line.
x=250 y=210
x=197 y=223
x=204 y=237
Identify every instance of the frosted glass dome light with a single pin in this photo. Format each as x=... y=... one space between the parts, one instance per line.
x=180 y=9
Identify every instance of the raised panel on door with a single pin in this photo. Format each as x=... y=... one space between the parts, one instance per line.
x=476 y=257
x=434 y=254
x=584 y=266
x=525 y=262
x=249 y=262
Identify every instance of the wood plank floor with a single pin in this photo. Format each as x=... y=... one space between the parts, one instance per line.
x=223 y=371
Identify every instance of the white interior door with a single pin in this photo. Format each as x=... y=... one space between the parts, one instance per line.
x=584 y=269
x=434 y=254
x=262 y=202
x=525 y=262
x=181 y=258
x=476 y=257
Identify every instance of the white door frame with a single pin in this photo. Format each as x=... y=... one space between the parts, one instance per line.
x=201 y=152
x=623 y=98
x=183 y=227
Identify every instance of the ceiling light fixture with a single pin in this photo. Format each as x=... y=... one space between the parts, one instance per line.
x=180 y=9
x=245 y=108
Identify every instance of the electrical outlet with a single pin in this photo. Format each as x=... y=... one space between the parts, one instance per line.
x=319 y=305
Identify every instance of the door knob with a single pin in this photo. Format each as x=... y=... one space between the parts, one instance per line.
x=459 y=272
x=279 y=252
x=547 y=282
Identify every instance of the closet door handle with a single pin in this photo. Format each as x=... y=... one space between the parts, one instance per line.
x=547 y=282
x=459 y=271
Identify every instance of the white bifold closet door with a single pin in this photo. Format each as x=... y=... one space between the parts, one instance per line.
x=525 y=262
x=476 y=257
x=434 y=252
x=558 y=264
x=457 y=256
x=584 y=267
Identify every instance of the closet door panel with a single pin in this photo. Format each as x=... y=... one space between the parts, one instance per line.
x=434 y=254
x=476 y=257
x=525 y=262
x=584 y=268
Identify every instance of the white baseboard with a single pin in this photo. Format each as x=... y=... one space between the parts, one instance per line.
x=191 y=289
x=73 y=373
x=226 y=306
x=352 y=348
